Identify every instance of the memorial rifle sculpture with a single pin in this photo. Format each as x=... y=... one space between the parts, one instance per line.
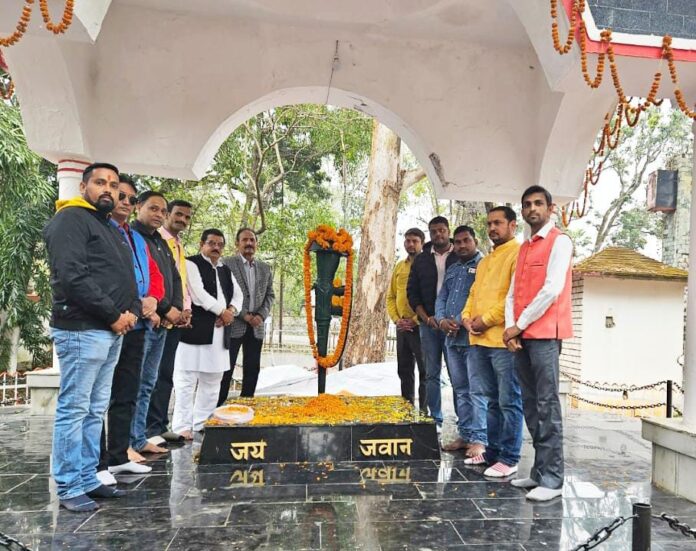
x=329 y=246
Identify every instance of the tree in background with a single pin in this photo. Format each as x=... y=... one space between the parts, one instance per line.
x=27 y=194
x=660 y=134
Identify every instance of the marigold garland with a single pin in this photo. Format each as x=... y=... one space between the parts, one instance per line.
x=625 y=111
x=325 y=409
x=341 y=242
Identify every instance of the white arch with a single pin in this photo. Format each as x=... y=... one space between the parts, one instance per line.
x=318 y=95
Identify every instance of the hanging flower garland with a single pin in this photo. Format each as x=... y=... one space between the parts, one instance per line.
x=341 y=242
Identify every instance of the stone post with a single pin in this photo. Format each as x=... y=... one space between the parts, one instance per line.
x=690 y=348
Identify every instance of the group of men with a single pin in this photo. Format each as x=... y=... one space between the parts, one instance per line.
x=133 y=318
x=498 y=321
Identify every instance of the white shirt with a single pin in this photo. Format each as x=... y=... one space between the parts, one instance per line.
x=559 y=261
x=202 y=298
x=441 y=265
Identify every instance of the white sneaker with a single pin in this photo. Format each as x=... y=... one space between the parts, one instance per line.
x=106 y=478
x=156 y=440
x=544 y=494
x=130 y=468
x=524 y=483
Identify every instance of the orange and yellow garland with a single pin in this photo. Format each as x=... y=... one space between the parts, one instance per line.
x=341 y=242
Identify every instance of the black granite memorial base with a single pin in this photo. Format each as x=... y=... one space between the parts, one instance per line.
x=238 y=444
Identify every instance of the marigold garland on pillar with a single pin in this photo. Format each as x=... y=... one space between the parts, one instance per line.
x=339 y=242
x=625 y=110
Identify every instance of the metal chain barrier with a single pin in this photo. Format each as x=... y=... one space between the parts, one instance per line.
x=610 y=387
x=614 y=406
x=12 y=544
x=677 y=526
x=603 y=534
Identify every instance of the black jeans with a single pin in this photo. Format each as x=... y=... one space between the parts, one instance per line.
x=408 y=355
x=251 y=364
x=158 y=413
x=124 y=392
x=537 y=366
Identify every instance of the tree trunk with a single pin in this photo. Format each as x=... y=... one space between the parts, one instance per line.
x=368 y=329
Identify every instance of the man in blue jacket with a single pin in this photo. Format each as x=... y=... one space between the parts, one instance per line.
x=450 y=302
x=95 y=303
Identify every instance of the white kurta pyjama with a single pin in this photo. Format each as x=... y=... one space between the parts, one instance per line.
x=198 y=368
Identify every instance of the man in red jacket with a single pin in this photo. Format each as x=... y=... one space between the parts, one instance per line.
x=537 y=319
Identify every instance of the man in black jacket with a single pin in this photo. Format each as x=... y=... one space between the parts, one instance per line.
x=152 y=208
x=424 y=283
x=95 y=302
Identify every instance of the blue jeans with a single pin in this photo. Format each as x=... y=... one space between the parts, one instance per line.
x=154 y=346
x=459 y=376
x=433 y=348
x=87 y=361
x=497 y=403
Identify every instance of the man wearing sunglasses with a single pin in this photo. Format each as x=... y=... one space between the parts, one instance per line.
x=126 y=380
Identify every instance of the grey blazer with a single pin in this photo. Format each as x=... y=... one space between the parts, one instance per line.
x=263 y=294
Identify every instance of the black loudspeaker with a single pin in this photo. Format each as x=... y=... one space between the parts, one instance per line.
x=662 y=190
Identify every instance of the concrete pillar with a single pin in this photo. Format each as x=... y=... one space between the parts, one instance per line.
x=690 y=352
x=43 y=385
x=69 y=177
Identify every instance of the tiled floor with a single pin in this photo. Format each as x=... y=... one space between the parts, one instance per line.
x=424 y=505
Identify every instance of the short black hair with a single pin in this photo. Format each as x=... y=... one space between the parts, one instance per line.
x=87 y=172
x=125 y=179
x=241 y=230
x=179 y=203
x=464 y=229
x=439 y=220
x=212 y=231
x=417 y=232
x=145 y=195
x=509 y=214
x=538 y=189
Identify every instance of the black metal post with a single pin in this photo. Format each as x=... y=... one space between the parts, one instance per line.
x=641 y=527
x=669 y=399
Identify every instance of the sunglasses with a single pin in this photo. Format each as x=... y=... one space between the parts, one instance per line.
x=132 y=199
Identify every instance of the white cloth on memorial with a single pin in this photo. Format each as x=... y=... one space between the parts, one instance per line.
x=209 y=358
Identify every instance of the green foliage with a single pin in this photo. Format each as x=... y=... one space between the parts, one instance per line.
x=634 y=226
x=27 y=195
x=308 y=165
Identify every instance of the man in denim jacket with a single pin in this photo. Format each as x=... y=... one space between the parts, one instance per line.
x=448 y=309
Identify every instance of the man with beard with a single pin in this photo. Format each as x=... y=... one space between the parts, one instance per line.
x=176 y=221
x=496 y=431
x=95 y=303
x=424 y=283
x=152 y=209
x=126 y=381
x=408 y=346
x=448 y=309
x=247 y=329
x=538 y=316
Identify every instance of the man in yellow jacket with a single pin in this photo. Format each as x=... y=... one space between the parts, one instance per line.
x=496 y=431
x=408 y=346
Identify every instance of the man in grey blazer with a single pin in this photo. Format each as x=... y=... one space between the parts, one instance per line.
x=247 y=330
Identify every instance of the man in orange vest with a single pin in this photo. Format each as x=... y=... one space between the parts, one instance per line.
x=537 y=319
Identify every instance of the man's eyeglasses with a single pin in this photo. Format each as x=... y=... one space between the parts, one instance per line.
x=132 y=199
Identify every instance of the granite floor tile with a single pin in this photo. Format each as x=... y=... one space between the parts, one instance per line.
x=434 y=510
x=292 y=513
x=16 y=502
x=290 y=492
x=133 y=540
x=55 y=520
x=11 y=481
x=339 y=491
x=464 y=490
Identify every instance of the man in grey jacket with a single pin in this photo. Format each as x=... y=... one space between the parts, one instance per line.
x=247 y=330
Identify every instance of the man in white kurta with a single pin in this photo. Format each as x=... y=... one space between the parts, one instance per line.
x=198 y=368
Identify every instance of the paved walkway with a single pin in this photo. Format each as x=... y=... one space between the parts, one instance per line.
x=427 y=505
